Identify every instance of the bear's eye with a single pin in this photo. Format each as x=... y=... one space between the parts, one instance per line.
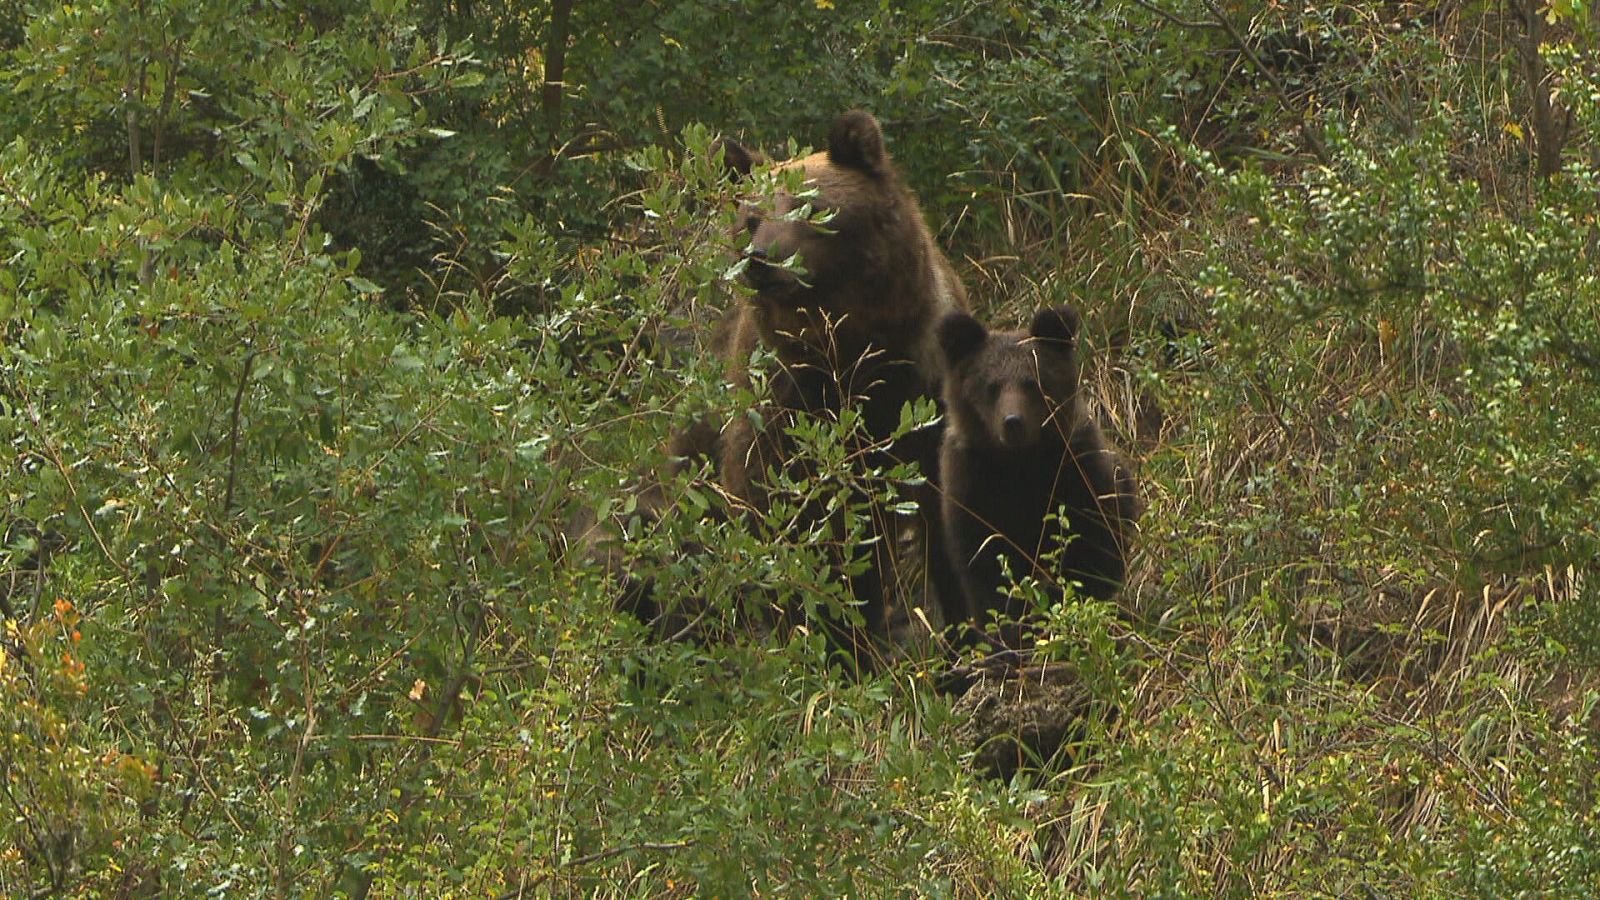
x=1031 y=385
x=992 y=389
x=752 y=222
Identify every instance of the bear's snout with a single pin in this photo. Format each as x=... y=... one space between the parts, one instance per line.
x=1017 y=421
x=762 y=274
x=1013 y=430
x=767 y=259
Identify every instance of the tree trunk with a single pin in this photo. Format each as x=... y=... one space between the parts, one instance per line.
x=555 y=68
x=1550 y=121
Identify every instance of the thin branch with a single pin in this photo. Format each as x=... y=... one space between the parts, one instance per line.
x=168 y=94
x=446 y=703
x=233 y=432
x=132 y=91
x=1318 y=149
x=1585 y=355
x=219 y=617
x=53 y=455
x=1174 y=18
x=41 y=847
x=597 y=856
x=291 y=803
x=627 y=848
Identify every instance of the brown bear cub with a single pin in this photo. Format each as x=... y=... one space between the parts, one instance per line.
x=1019 y=447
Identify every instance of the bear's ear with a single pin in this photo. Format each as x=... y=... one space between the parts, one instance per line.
x=737 y=158
x=856 y=142
x=1058 y=325
x=959 y=335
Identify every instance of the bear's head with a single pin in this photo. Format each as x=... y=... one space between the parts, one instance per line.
x=1012 y=390
x=855 y=270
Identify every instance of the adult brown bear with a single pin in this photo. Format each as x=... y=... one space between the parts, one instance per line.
x=1027 y=472
x=848 y=300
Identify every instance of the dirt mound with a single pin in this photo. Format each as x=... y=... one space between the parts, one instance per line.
x=1019 y=716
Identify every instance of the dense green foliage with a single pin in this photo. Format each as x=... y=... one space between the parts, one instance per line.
x=320 y=322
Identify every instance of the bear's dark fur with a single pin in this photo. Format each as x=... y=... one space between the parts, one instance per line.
x=849 y=307
x=1019 y=446
x=860 y=297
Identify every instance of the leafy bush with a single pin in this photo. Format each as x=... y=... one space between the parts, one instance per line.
x=319 y=327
